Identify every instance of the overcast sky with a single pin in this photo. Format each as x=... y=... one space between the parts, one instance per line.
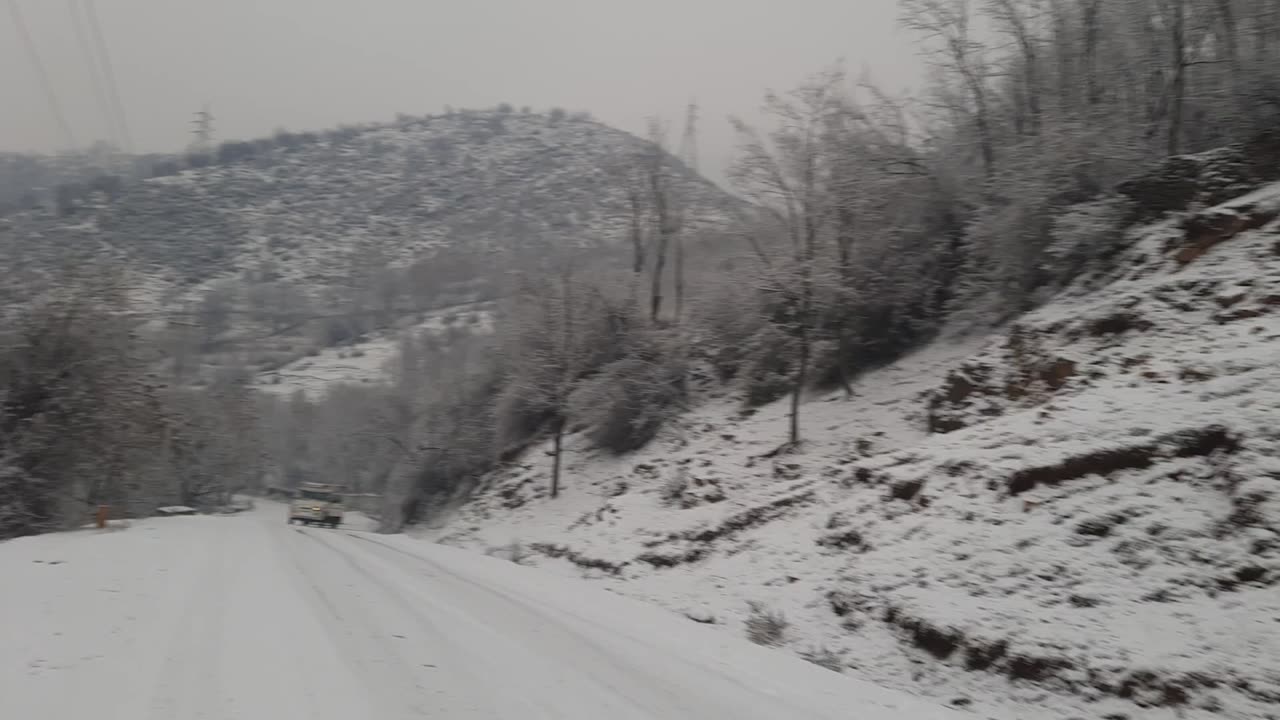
x=310 y=64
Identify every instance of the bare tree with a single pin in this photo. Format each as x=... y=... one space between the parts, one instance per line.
x=631 y=174
x=656 y=210
x=548 y=350
x=77 y=413
x=1175 y=12
x=787 y=173
x=848 y=168
x=688 y=155
x=947 y=26
x=667 y=221
x=1015 y=18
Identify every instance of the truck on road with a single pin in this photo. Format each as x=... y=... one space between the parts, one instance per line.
x=317 y=504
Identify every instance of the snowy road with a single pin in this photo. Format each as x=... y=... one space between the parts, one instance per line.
x=247 y=617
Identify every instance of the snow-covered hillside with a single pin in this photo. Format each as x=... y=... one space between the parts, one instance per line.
x=372 y=361
x=306 y=207
x=1078 y=514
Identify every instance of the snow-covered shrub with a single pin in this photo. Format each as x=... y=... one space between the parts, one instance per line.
x=514 y=551
x=626 y=403
x=825 y=362
x=766 y=626
x=577 y=357
x=671 y=491
x=1085 y=233
x=823 y=657
x=27 y=504
x=331 y=331
x=766 y=373
x=1011 y=236
x=726 y=319
x=519 y=413
x=1256 y=502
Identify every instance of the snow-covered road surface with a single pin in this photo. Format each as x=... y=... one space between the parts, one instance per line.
x=247 y=617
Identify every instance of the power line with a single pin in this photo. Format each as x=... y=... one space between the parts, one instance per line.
x=50 y=96
x=113 y=89
x=95 y=76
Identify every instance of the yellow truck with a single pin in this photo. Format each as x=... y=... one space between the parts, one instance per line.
x=316 y=504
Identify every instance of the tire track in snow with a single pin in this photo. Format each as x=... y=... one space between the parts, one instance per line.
x=585 y=629
x=610 y=671
x=463 y=676
x=189 y=684
x=404 y=676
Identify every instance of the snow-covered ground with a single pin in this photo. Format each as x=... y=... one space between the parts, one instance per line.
x=371 y=360
x=243 y=616
x=1078 y=516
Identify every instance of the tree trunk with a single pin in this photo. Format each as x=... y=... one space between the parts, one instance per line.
x=1265 y=24
x=659 y=267
x=801 y=380
x=983 y=121
x=1033 y=87
x=1030 y=58
x=166 y=457
x=663 y=219
x=679 y=277
x=1063 y=44
x=1239 y=108
x=1091 y=34
x=557 y=449
x=844 y=241
x=805 y=319
x=568 y=359
x=1178 y=89
x=1230 y=39
x=637 y=243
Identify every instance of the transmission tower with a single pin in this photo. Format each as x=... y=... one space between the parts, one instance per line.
x=689 y=143
x=202 y=129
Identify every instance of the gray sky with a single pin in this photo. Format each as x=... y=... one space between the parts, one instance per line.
x=310 y=64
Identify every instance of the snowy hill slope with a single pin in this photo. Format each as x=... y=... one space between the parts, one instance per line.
x=1077 y=516
x=304 y=206
x=372 y=361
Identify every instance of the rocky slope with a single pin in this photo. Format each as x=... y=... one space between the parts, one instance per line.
x=1075 y=516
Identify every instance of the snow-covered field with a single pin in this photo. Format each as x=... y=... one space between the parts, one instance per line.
x=1078 y=516
x=246 y=617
